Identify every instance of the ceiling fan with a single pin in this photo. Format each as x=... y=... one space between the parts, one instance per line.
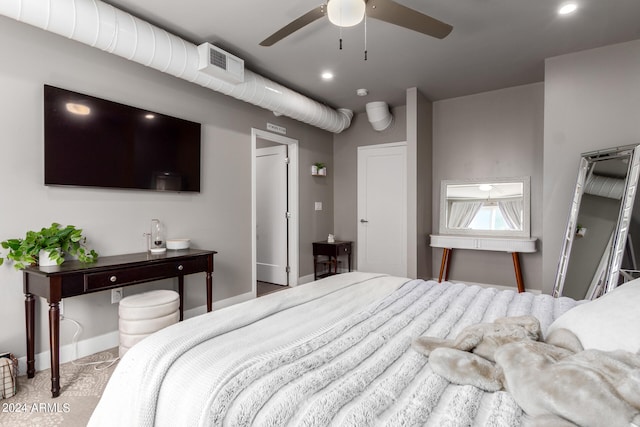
x=347 y=13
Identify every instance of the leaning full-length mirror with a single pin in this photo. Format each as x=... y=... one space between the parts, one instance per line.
x=598 y=247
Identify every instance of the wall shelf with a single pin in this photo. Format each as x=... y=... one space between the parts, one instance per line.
x=316 y=171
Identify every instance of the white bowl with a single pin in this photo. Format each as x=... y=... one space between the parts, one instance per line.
x=175 y=244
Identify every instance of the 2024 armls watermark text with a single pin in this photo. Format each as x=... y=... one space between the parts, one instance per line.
x=28 y=408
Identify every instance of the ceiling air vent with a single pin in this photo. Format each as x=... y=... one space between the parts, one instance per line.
x=220 y=64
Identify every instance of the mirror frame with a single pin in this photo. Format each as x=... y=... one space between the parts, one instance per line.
x=526 y=218
x=608 y=279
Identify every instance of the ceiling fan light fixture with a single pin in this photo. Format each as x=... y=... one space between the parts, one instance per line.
x=567 y=9
x=346 y=13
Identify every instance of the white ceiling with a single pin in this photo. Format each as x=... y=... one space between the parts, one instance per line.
x=494 y=43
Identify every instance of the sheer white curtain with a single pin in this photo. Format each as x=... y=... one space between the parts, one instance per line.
x=462 y=213
x=512 y=210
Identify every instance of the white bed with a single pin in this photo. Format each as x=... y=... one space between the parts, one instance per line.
x=332 y=352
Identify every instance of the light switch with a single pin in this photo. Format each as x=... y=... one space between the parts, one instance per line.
x=318 y=206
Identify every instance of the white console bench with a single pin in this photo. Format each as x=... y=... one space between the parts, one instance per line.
x=499 y=244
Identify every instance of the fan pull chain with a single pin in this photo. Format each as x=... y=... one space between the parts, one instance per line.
x=341 y=6
x=365 y=36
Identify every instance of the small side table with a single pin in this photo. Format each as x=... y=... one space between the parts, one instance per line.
x=333 y=251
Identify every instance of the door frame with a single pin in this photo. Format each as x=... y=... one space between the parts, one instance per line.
x=292 y=202
x=405 y=209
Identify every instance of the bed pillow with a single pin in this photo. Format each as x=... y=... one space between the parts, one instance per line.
x=608 y=323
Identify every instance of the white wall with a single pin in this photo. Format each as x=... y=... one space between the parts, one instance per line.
x=218 y=218
x=491 y=134
x=592 y=101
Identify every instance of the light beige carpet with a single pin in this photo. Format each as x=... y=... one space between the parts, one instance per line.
x=81 y=388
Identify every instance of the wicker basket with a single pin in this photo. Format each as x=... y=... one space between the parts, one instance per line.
x=8 y=375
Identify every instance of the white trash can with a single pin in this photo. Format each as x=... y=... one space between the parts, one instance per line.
x=145 y=313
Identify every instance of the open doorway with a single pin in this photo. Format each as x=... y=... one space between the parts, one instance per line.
x=275 y=210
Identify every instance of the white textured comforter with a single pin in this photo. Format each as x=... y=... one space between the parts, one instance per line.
x=333 y=352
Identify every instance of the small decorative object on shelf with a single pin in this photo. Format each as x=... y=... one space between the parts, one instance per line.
x=319 y=169
x=580 y=231
x=48 y=247
x=178 y=244
x=157 y=243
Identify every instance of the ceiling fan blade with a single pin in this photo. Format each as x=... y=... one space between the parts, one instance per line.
x=294 y=26
x=394 y=13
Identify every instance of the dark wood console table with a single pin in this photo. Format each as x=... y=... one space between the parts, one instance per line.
x=75 y=278
x=333 y=251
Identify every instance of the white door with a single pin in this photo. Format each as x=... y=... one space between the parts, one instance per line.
x=271 y=214
x=382 y=209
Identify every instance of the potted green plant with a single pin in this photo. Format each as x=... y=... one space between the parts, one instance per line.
x=54 y=241
x=318 y=168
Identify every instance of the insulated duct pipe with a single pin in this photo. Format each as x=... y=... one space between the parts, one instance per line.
x=604 y=186
x=102 y=26
x=379 y=115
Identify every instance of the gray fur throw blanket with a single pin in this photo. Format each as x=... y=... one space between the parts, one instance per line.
x=556 y=382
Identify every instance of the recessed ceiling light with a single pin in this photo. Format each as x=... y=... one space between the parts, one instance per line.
x=567 y=8
x=327 y=75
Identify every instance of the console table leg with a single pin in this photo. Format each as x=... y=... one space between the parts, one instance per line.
x=315 y=267
x=181 y=293
x=29 y=311
x=54 y=345
x=209 y=292
x=446 y=274
x=443 y=264
x=518 y=271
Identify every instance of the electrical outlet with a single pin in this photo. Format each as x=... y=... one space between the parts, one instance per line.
x=318 y=206
x=116 y=295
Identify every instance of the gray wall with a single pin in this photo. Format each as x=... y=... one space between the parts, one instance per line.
x=420 y=135
x=492 y=134
x=314 y=225
x=345 y=158
x=218 y=218
x=592 y=101
x=413 y=124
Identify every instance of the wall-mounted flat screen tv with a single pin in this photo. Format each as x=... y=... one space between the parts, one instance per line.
x=92 y=142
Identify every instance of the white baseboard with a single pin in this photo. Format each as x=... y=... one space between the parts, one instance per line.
x=109 y=340
x=305 y=279
x=68 y=352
